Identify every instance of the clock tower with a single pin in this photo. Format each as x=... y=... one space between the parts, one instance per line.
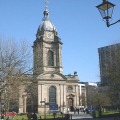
x=52 y=89
x=47 y=48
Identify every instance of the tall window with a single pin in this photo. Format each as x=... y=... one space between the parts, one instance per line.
x=50 y=58
x=52 y=95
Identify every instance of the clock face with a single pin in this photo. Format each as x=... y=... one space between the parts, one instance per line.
x=50 y=35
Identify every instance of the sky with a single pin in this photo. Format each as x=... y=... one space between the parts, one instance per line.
x=79 y=25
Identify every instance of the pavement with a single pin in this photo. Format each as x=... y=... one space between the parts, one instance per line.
x=85 y=116
x=81 y=116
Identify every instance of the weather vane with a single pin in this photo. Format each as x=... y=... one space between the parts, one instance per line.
x=46 y=3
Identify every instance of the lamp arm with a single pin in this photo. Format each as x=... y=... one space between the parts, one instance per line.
x=108 y=24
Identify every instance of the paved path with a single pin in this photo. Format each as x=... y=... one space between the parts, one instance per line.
x=84 y=116
x=81 y=115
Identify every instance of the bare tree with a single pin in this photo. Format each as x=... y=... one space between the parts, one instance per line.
x=15 y=59
x=97 y=97
x=101 y=100
x=82 y=99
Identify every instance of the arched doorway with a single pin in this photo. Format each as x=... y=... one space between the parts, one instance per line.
x=29 y=105
x=70 y=104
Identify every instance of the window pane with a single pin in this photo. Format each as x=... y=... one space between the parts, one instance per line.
x=50 y=58
x=52 y=95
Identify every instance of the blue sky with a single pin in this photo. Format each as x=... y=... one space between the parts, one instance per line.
x=79 y=26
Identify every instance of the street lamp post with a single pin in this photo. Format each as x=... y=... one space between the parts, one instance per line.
x=45 y=109
x=106 y=10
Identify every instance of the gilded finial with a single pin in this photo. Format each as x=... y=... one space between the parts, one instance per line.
x=46 y=12
x=46 y=4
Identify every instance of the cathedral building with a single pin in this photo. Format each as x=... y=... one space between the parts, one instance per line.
x=54 y=88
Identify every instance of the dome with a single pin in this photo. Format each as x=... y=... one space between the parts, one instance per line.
x=47 y=25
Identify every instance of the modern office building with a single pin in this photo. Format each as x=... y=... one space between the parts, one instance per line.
x=109 y=62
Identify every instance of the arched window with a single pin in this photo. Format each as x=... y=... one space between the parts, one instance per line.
x=52 y=95
x=50 y=58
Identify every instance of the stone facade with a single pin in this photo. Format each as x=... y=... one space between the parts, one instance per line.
x=54 y=88
x=67 y=90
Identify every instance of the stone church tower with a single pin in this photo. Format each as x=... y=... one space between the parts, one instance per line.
x=54 y=88
x=47 y=48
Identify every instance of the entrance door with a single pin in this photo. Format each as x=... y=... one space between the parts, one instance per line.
x=70 y=104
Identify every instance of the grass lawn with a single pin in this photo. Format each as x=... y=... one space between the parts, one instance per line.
x=24 y=117
x=107 y=113
x=110 y=112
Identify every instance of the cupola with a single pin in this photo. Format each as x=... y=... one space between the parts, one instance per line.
x=46 y=24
